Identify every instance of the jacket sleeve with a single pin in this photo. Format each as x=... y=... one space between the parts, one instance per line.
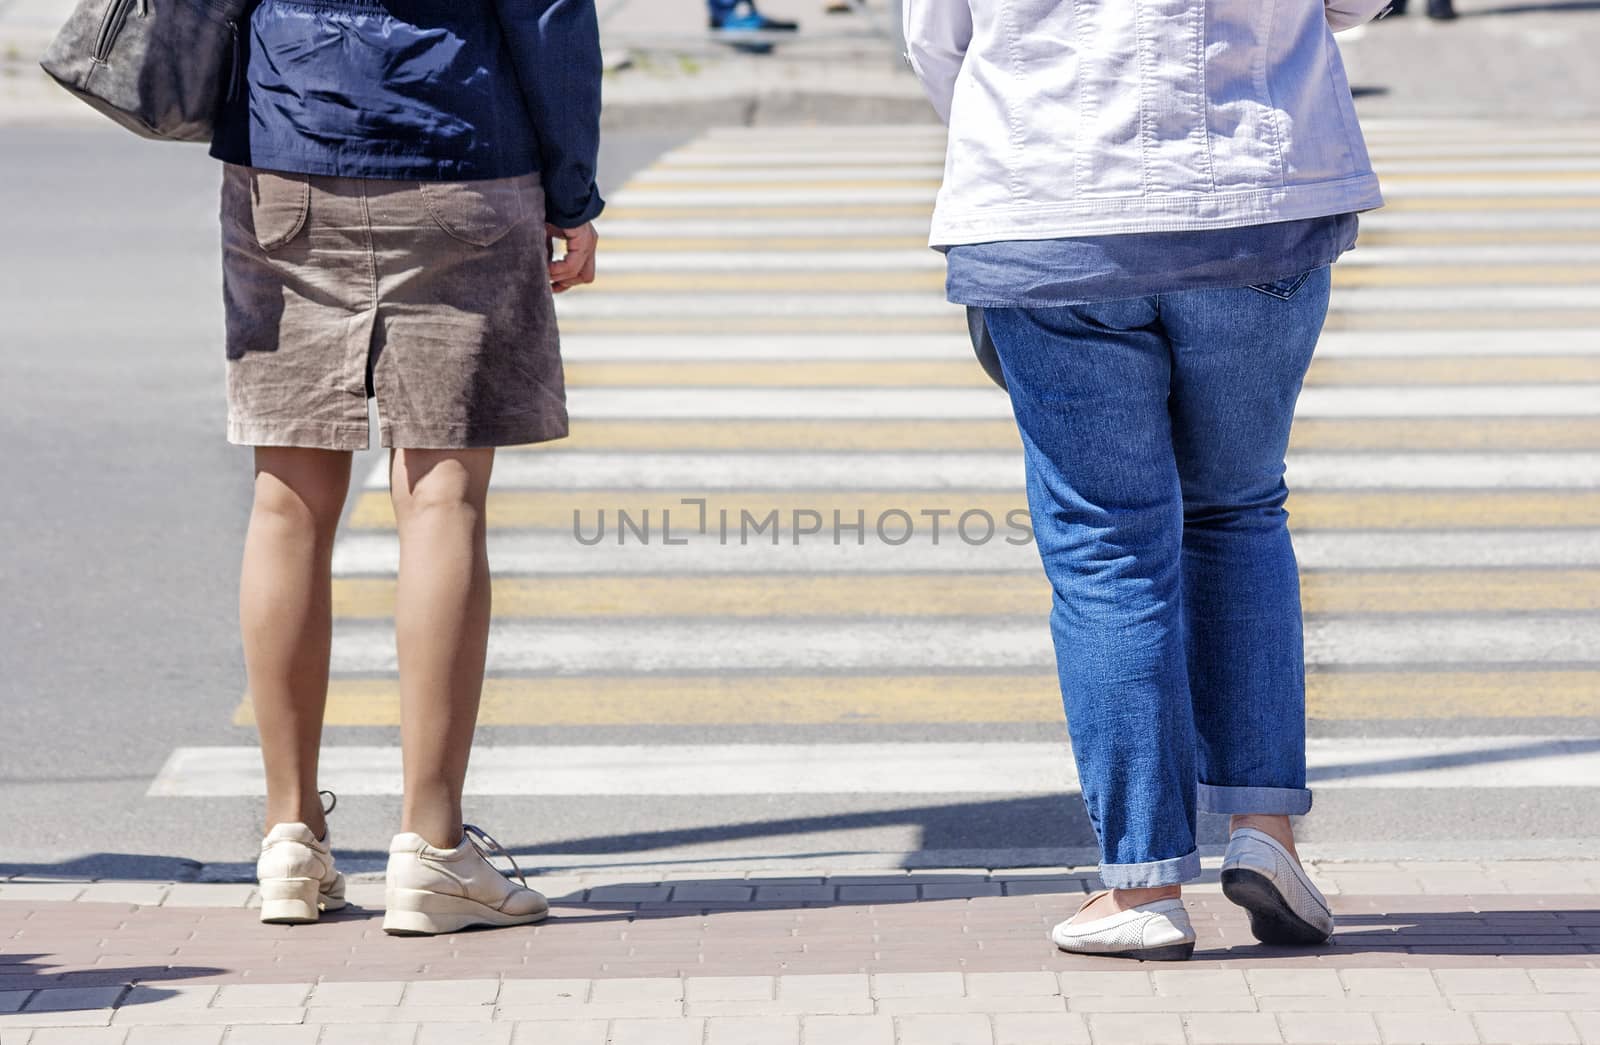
x=555 y=50
x=937 y=34
x=1347 y=14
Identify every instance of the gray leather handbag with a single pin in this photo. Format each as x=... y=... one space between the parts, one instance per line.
x=160 y=68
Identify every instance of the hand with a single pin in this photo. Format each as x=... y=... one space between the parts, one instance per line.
x=577 y=267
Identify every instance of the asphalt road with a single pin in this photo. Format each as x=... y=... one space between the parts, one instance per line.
x=123 y=511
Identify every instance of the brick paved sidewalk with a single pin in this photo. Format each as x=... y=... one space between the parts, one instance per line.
x=1425 y=953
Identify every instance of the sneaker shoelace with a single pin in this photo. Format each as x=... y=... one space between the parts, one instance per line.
x=485 y=844
x=332 y=803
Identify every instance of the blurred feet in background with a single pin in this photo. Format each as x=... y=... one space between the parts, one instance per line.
x=1438 y=10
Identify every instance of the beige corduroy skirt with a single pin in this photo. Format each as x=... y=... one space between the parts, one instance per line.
x=434 y=298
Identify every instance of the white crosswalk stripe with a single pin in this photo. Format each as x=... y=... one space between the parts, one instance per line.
x=769 y=277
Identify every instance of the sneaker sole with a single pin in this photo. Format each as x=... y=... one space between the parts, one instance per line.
x=1272 y=920
x=416 y=912
x=296 y=901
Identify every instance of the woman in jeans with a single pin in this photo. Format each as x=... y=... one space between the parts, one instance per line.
x=396 y=174
x=1144 y=197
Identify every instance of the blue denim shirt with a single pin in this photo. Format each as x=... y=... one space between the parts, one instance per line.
x=1052 y=272
x=428 y=90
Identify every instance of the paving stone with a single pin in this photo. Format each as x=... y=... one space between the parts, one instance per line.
x=68 y=1018
x=464 y=1034
x=451 y=992
x=1588 y=1024
x=636 y=989
x=1389 y=982
x=41 y=892
x=794 y=893
x=372 y=992
x=1233 y=1028
x=630 y=894
x=249 y=995
x=166 y=997
x=69 y=1036
x=657 y=1032
x=1525 y=1028
x=73 y=999
x=174 y=1036
x=1101 y=984
x=877 y=893
x=339 y=1014
x=1566 y=981
x=964 y=891
x=369 y=1034
x=1346 y=1028
x=1484 y=981
x=1190 y=983
x=831 y=987
x=207 y=894
x=847 y=1030
x=729 y=988
x=990 y=1005
x=256 y=1034
x=543 y=992
x=1131 y=1029
x=918 y=985
x=737 y=894
x=560 y=1032
x=753 y=1030
x=1040 y=1028
x=1524 y=1002
x=945 y=1030
x=139 y=894
x=1294 y=982
x=1011 y=984
x=1431 y=1028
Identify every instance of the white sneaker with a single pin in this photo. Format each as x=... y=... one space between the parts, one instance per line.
x=297 y=877
x=432 y=890
x=1152 y=932
x=1259 y=875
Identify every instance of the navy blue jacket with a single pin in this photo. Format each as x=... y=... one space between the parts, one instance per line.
x=425 y=90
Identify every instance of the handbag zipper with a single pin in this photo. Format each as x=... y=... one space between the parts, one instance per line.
x=116 y=17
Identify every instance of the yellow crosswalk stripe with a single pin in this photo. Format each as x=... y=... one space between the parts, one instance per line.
x=677 y=700
x=801 y=281
x=894 y=180
x=1310 y=433
x=829 y=214
x=953 y=322
x=1381 y=592
x=1497 y=370
x=1309 y=510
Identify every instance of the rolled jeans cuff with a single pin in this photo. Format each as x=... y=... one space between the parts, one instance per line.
x=1152 y=875
x=1266 y=801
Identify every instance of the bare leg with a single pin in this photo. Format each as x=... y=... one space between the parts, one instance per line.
x=286 y=618
x=1276 y=827
x=1102 y=905
x=442 y=627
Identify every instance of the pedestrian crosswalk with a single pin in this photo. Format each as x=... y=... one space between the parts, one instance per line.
x=792 y=501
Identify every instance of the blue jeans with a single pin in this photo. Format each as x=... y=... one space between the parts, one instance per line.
x=1155 y=431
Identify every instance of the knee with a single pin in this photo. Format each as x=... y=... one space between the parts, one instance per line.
x=297 y=501
x=443 y=492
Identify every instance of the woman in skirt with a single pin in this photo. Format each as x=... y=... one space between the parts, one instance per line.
x=395 y=177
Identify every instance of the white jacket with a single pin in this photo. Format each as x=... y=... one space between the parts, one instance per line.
x=1092 y=117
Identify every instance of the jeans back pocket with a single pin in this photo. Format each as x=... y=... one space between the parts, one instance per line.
x=1285 y=288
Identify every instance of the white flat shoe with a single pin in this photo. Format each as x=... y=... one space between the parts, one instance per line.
x=1259 y=875
x=1152 y=932
x=432 y=890
x=297 y=878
